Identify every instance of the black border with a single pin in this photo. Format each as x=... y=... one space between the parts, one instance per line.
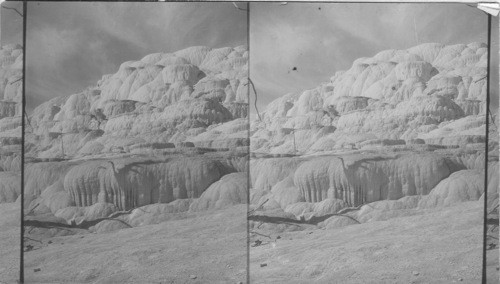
x=23 y=127
x=485 y=207
x=249 y=181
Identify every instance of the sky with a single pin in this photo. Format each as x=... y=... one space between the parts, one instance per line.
x=322 y=38
x=70 y=46
x=11 y=24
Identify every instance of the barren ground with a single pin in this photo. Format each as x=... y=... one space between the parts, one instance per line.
x=10 y=242
x=438 y=246
x=206 y=248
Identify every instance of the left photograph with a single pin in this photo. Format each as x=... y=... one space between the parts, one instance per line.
x=11 y=76
x=136 y=143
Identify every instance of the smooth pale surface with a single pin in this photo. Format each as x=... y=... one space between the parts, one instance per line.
x=231 y=189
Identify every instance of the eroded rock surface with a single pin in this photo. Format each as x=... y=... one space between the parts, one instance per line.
x=432 y=92
x=195 y=95
x=163 y=136
x=398 y=133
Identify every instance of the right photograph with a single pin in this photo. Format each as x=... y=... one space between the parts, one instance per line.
x=368 y=135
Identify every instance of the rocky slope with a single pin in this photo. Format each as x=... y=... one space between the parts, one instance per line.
x=162 y=101
x=395 y=125
x=397 y=138
x=428 y=94
x=162 y=144
x=165 y=134
x=399 y=134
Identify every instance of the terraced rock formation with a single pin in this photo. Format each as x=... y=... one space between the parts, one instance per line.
x=167 y=131
x=428 y=94
x=158 y=102
x=162 y=144
x=401 y=124
x=398 y=140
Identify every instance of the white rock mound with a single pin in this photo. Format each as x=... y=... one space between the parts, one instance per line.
x=431 y=92
x=396 y=134
x=162 y=98
x=162 y=135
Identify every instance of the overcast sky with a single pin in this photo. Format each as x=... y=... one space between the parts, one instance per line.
x=71 y=45
x=320 y=39
x=11 y=24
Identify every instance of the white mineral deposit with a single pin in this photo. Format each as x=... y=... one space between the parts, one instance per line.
x=377 y=175
x=142 y=173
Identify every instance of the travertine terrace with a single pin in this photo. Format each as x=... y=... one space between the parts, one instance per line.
x=162 y=142
x=399 y=134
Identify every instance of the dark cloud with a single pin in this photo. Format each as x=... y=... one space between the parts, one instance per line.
x=71 y=45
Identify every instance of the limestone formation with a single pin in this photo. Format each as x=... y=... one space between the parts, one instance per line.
x=431 y=92
x=162 y=98
x=359 y=180
x=399 y=132
x=231 y=189
x=458 y=187
x=396 y=134
x=163 y=135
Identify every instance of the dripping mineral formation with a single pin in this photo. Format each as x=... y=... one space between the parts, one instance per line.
x=394 y=125
x=165 y=138
x=158 y=130
x=399 y=134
